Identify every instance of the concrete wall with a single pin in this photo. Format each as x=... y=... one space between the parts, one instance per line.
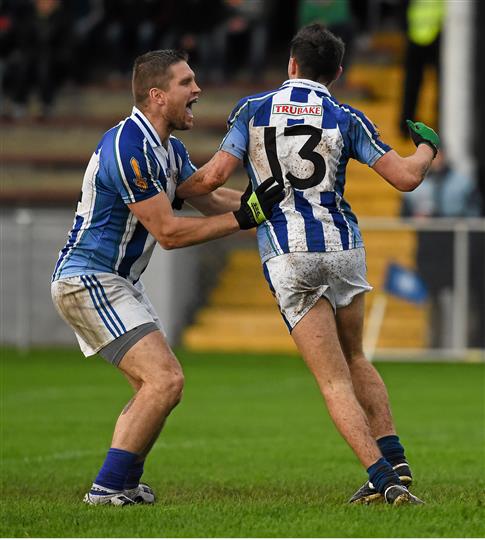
x=29 y=244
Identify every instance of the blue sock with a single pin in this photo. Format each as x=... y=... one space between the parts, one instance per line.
x=382 y=475
x=115 y=469
x=134 y=475
x=392 y=449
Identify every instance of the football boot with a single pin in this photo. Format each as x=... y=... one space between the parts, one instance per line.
x=367 y=494
x=142 y=494
x=398 y=495
x=99 y=495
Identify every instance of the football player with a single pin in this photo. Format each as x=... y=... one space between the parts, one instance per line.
x=311 y=248
x=124 y=210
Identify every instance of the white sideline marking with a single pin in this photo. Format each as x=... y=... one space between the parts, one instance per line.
x=76 y=454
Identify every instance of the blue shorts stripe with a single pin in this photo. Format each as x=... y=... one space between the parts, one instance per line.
x=102 y=305
x=272 y=289
x=89 y=288
x=111 y=308
x=268 y=277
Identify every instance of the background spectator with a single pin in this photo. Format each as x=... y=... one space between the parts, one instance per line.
x=423 y=23
x=41 y=52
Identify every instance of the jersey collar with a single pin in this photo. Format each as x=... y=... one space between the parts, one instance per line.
x=306 y=83
x=144 y=124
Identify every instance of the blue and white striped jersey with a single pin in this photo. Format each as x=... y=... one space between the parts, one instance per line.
x=129 y=165
x=302 y=136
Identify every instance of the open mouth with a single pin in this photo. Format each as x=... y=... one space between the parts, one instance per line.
x=188 y=108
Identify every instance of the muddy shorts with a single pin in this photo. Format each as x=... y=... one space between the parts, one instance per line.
x=299 y=280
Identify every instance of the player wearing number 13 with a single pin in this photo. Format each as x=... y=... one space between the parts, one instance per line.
x=311 y=248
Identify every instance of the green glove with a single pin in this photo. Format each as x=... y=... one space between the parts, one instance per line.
x=422 y=134
x=256 y=206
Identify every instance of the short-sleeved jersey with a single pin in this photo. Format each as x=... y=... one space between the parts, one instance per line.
x=129 y=165
x=303 y=137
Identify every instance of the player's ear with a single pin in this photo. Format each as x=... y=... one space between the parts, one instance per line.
x=337 y=75
x=340 y=70
x=157 y=96
x=292 y=67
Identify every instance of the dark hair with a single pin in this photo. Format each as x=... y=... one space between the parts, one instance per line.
x=318 y=52
x=152 y=70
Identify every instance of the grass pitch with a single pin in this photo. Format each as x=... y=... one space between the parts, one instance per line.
x=250 y=452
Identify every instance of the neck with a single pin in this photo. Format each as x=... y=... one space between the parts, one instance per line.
x=299 y=76
x=159 y=124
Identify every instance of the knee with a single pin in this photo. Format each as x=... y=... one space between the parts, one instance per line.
x=176 y=387
x=168 y=388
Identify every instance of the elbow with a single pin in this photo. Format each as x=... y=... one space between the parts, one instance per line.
x=407 y=187
x=408 y=183
x=168 y=239
x=171 y=241
x=168 y=244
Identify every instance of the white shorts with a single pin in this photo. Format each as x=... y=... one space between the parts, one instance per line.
x=299 y=280
x=102 y=307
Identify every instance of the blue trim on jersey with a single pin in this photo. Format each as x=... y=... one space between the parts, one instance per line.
x=133 y=250
x=89 y=288
x=78 y=221
x=128 y=166
x=328 y=200
x=272 y=289
x=340 y=175
x=245 y=101
x=186 y=167
x=280 y=227
x=330 y=118
x=263 y=114
x=111 y=308
x=353 y=222
x=153 y=139
x=294 y=121
x=315 y=238
x=299 y=95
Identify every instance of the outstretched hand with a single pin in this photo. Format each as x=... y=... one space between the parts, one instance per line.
x=423 y=134
x=257 y=206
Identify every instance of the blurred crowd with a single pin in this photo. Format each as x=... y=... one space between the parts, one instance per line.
x=46 y=43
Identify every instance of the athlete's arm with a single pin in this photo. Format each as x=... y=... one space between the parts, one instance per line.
x=209 y=177
x=156 y=215
x=172 y=232
x=405 y=173
x=218 y=202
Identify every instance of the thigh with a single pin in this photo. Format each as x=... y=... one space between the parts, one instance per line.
x=151 y=358
x=350 y=324
x=317 y=340
x=346 y=275
x=296 y=283
x=299 y=280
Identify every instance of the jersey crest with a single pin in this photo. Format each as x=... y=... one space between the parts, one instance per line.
x=139 y=180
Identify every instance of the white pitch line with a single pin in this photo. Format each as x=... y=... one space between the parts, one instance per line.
x=76 y=454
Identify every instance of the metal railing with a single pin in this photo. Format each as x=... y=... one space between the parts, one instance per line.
x=30 y=240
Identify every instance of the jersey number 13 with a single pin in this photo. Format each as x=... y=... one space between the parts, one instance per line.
x=306 y=152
